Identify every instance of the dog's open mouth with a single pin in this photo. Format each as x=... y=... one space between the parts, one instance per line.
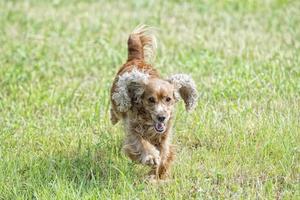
x=159 y=127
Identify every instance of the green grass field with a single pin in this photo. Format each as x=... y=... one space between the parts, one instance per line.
x=57 y=63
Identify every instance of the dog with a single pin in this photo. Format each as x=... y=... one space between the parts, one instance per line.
x=145 y=102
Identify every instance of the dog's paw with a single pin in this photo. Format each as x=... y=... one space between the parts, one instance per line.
x=151 y=160
x=154 y=180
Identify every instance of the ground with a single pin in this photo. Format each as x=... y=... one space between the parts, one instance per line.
x=57 y=63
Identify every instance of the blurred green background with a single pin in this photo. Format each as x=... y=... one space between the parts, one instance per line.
x=57 y=63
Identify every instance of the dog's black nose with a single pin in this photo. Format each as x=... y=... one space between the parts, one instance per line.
x=161 y=118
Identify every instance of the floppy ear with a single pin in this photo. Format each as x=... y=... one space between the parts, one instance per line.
x=129 y=89
x=185 y=88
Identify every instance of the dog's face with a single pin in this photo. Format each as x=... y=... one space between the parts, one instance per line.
x=156 y=96
x=158 y=100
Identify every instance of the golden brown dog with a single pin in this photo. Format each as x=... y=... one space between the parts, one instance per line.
x=145 y=102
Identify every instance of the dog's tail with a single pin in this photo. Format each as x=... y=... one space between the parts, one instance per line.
x=142 y=44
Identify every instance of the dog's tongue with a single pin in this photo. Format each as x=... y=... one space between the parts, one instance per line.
x=159 y=127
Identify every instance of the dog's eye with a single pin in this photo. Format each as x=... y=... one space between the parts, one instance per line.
x=151 y=100
x=168 y=99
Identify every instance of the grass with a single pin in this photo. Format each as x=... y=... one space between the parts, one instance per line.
x=57 y=62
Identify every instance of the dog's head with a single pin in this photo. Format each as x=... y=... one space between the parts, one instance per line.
x=156 y=96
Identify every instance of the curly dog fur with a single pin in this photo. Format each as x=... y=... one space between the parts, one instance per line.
x=145 y=103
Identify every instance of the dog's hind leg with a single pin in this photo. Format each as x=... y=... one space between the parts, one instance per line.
x=167 y=157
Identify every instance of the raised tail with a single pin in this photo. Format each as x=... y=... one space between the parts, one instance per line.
x=142 y=44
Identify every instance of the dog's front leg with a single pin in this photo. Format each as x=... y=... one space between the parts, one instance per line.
x=150 y=155
x=139 y=149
